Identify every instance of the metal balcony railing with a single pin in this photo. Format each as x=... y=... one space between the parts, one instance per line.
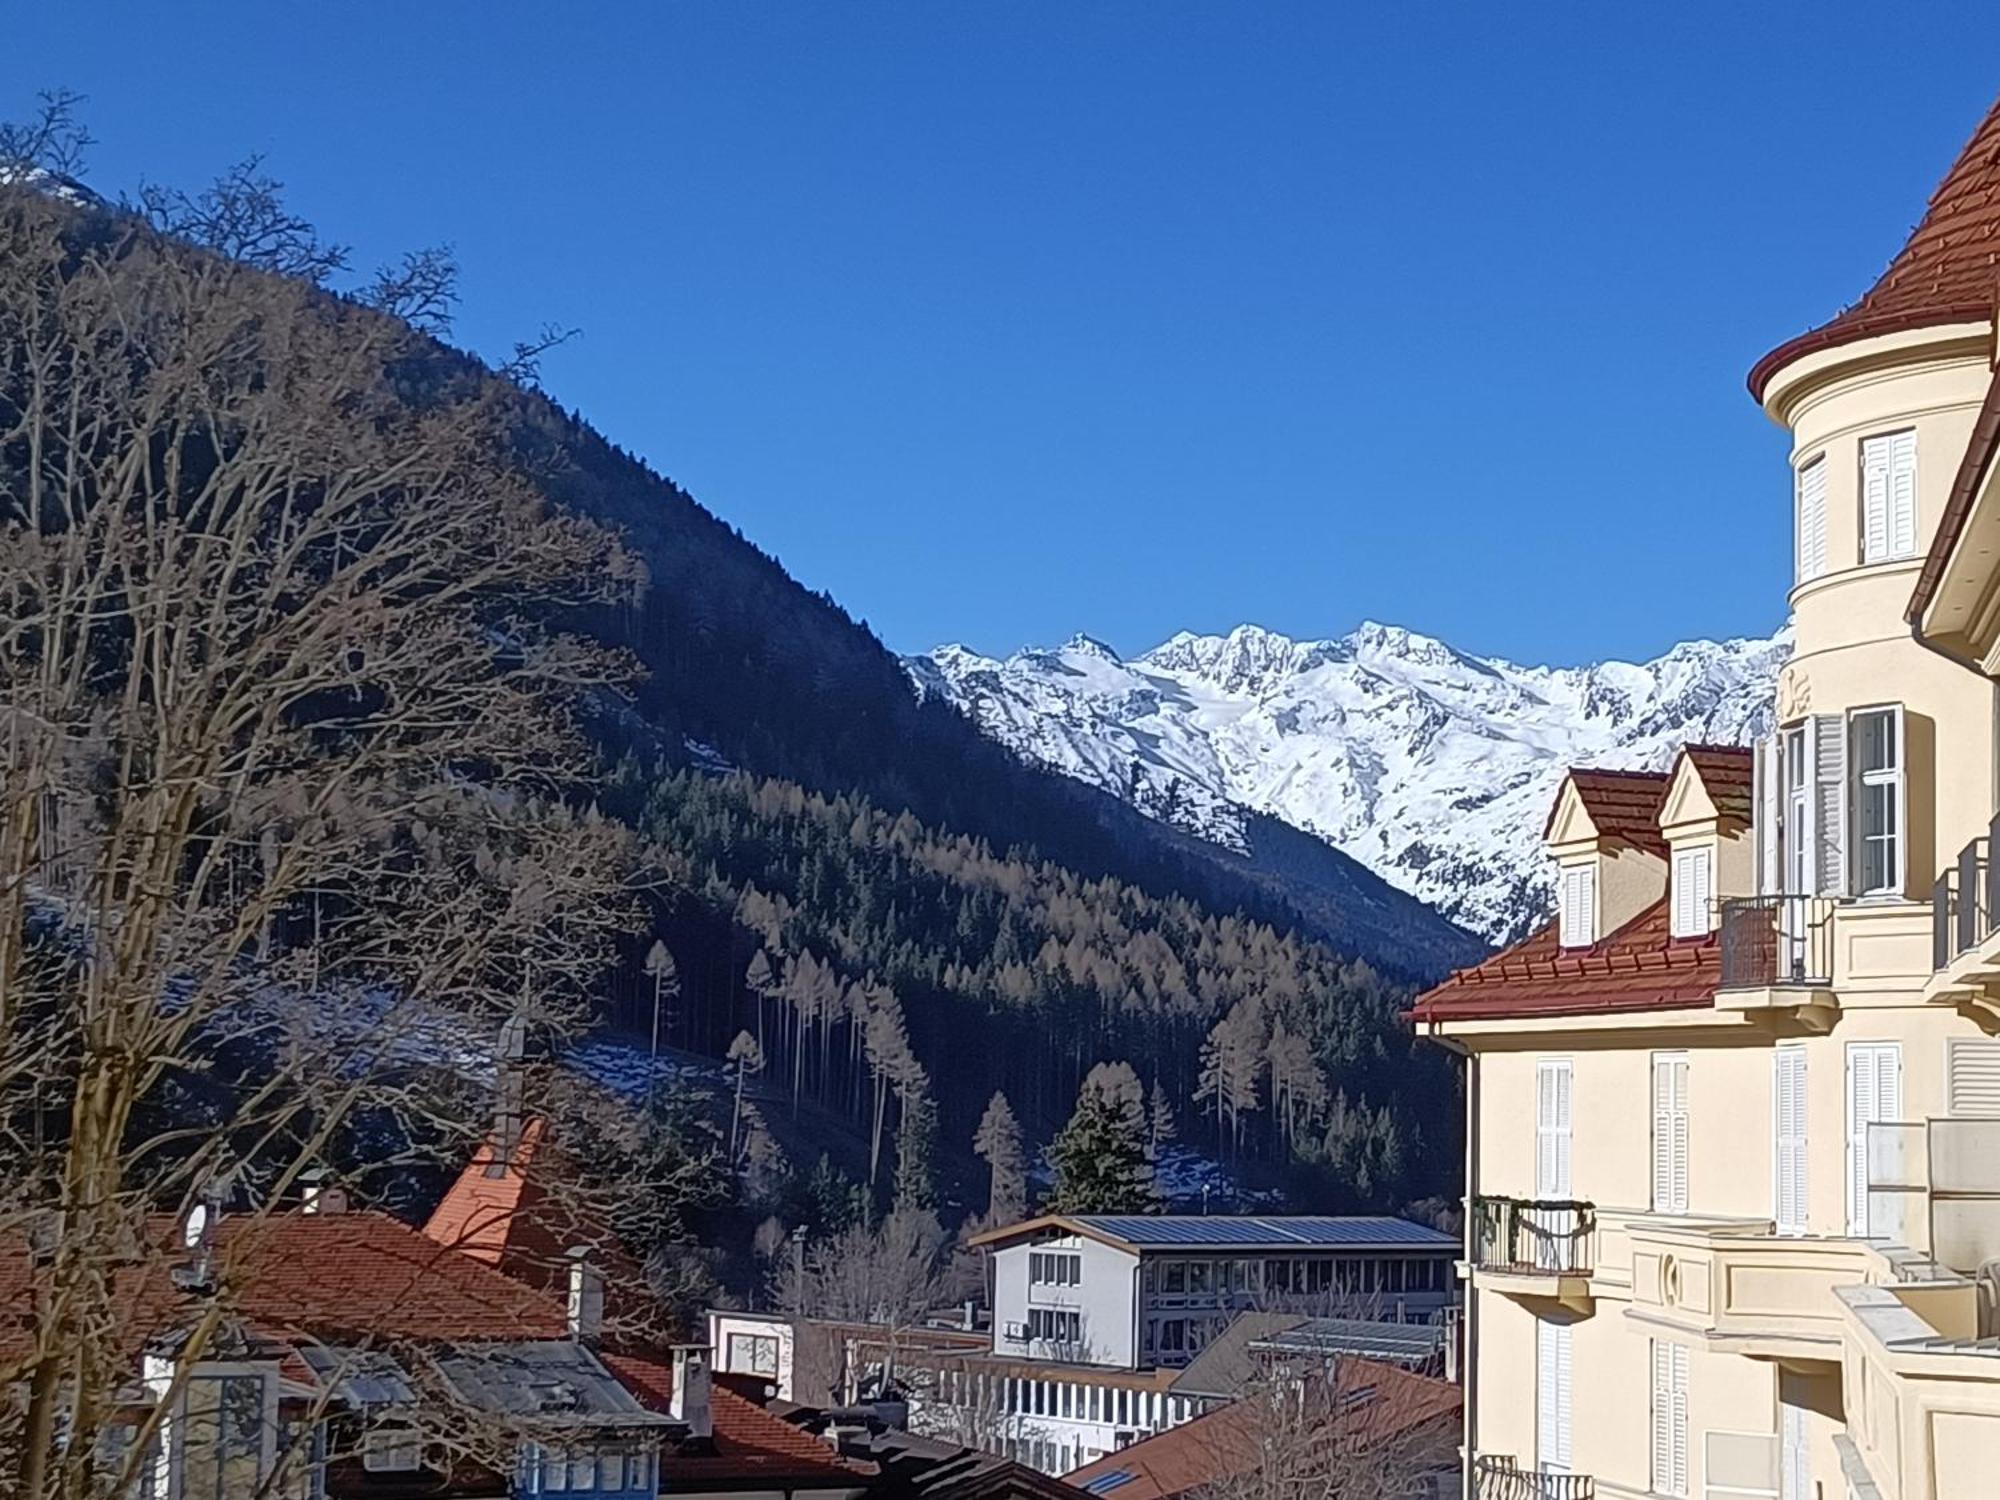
x=1495 y=1477
x=1776 y=940
x=1965 y=899
x=1534 y=1236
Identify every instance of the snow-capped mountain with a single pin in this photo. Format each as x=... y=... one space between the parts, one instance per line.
x=1432 y=767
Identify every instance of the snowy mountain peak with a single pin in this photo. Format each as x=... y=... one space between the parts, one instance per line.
x=1432 y=767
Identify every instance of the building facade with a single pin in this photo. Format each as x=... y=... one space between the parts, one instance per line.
x=1733 y=1164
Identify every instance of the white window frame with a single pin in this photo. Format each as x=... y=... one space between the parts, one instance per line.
x=1694 y=887
x=1889 y=496
x=1672 y=1123
x=1881 y=1080
x=1895 y=779
x=1796 y=791
x=1810 y=550
x=1576 y=887
x=1791 y=1156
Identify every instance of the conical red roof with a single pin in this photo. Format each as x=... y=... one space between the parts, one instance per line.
x=1949 y=272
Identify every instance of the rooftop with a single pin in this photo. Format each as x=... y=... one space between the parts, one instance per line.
x=1232 y=1231
x=1623 y=805
x=1945 y=272
x=1641 y=966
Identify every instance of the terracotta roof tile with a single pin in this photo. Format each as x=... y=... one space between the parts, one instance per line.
x=1624 y=805
x=1226 y=1443
x=750 y=1443
x=1948 y=271
x=1638 y=967
x=1728 y=774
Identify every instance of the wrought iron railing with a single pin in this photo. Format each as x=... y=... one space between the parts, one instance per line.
x=1546 y=1236
x=1776 y=940
x=1965 y=899
x=1495 y=1477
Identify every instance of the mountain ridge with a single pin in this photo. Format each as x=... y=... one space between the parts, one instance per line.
x=1429 y=765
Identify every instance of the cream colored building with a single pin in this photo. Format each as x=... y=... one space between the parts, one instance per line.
x=1733 y=1165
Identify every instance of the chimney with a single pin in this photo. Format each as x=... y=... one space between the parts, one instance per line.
x=689 y=1402
x=511 y=1104
x=586 y=1297
x=320 y=1194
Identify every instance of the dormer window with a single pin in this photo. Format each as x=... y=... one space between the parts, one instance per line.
x=1694 y=889
x=1576 y=887
x=1889 y=497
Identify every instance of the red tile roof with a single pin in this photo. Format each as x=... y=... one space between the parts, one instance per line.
x=1948 y=272
x=331 y=1275
x=1623 y=805
x=1638 y=967
x=1727 y=773
x=1228 y=1443
x=750 y=1443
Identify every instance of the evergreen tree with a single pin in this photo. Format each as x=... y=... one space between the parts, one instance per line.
x=745 y=1058
x=1100 y=1155
x=916 y=1154
x=1160 y=1120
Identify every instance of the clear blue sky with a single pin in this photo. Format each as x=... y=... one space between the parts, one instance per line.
x=1005 y=320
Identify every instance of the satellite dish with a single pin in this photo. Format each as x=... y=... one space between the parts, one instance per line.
x=195 y=1231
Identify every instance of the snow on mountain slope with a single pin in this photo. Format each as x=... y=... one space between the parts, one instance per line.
x=1431 y=767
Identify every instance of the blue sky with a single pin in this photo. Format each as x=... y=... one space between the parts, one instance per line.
x=1000 y=321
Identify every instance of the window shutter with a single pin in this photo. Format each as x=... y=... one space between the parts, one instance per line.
x=1874 y=1094
x=1812 y=520
x=1693 y=891
x=1578 y=914
x=1827 y=735
x=1794 y=1460
x=1903 y=495
x=1670 y=1133
x=1874 y=500
x=1768 y=771
x=1679 y=1420
x=1552 y=1397
x=1552 y=1127
x=1789 y=1127
x=1972 y=1076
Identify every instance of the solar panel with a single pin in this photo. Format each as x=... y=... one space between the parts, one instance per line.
x=1261 y=1230
x=1104 y=1484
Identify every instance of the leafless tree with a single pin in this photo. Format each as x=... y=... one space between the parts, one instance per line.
x=289 y=773
x=243 y=217
x=1352 y=1431
x=52 y=139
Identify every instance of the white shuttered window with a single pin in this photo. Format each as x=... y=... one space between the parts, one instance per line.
x=1693 y=891
x=1552 y=1398
x=1577 y=888
x=1874 y=1095
x=1888 y=497
x=1812 y=519
x=1670 y=1132
x=1794 y=1456
x=1670 y=1419
x=1788 y=1111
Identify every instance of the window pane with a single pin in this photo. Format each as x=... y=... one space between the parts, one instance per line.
x=1874 y=742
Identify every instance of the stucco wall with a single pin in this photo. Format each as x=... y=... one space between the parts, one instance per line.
x=1107 y=1297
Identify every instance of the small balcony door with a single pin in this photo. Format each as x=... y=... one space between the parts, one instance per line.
x=1552 y=1389
x=1874 y=1096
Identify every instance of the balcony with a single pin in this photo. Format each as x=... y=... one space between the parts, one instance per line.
x=1771 y=942
x=1498 y=1477
x=1965 y=922
x=1534 y=1247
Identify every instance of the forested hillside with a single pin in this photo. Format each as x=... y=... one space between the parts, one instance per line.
x=901 y=975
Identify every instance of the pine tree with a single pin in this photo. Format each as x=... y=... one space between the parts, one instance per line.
x=745 y=1058
x=1100 y=1155
x=1160 y=1120
x=998 y=1144
x=916 y=1153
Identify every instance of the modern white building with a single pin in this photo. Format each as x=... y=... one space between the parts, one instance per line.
x=1136 y=1291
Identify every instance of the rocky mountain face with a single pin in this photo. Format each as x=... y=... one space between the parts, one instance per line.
x=1433 y=767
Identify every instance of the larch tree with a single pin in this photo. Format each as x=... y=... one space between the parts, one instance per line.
x=289 y=769
x=999 y=1144
x=745 y=1060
